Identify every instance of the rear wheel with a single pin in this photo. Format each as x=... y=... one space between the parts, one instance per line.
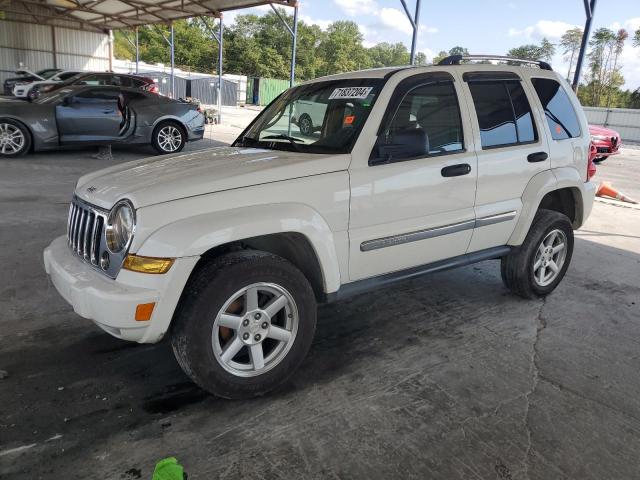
x=15 y=139
x=245 y=324
x=536 y=267
x=169 y=137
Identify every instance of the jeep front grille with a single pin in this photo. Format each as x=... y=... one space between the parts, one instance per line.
x=85 y=231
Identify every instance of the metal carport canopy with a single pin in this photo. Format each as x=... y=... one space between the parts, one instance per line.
x=116 y=14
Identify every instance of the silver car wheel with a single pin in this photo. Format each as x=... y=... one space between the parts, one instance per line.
x=550 y=258
x=255 y=329
x=11 y=139
x=169 y=138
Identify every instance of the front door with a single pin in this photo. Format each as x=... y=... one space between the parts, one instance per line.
x=90 y=115
x=412 y=200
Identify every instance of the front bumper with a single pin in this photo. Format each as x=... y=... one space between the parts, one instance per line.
x=111 y=304
x=605 y=148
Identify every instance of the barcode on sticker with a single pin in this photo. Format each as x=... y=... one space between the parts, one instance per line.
x=350 y=92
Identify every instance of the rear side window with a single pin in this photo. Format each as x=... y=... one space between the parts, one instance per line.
x=561 y=117
x=504 y=113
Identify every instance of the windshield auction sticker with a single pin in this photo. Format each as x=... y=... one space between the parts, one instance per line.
x=350 y=92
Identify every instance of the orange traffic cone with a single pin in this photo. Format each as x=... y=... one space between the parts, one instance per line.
x=606 y=190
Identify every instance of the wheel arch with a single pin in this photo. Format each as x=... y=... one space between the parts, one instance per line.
x=561 y=190
x=293 y=231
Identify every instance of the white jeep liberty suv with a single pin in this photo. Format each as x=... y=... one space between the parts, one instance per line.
x=417 y=169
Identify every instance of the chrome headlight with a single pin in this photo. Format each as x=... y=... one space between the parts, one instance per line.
x=120 y=225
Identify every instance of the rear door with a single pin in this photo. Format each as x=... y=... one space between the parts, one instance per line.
x=90 y=115
x=510 y=147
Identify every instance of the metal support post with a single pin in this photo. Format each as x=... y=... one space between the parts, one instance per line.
x=294 y=38
x=414 y=20
x=173 y=79
x=589 y=9
x=137 y=52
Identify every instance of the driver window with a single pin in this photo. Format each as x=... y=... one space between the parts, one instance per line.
x=427 y=122
x=96 y=96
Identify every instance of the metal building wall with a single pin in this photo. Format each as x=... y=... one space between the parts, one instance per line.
x=625 y=121
x=31 y=46
x=206 y=90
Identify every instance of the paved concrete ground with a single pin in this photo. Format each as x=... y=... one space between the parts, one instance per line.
x=448 y=376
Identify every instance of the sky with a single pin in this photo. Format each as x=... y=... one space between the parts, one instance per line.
x=482 y=26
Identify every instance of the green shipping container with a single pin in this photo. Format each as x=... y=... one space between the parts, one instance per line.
x=261 y=91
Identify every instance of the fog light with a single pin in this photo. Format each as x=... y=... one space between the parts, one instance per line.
x=140 y=264
x=144 y=311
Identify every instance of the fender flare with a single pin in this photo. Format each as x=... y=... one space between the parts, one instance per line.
x=196 y=235
x=540 y=185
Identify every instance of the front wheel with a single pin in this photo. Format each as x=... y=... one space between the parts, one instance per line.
x=536 y=267
x=15 y=139
x=244 y=325
x=306 y=125
x=600 y=159
x=168 y=137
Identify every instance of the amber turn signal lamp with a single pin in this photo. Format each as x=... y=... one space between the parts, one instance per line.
x=144 y=311
x=136 y=263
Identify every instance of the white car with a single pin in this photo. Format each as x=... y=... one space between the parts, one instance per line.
x=228 y=251
x=33 y=90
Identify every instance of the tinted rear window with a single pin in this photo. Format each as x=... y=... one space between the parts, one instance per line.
x=504 y=114
x=561 y=117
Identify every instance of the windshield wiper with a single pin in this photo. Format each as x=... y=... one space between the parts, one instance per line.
x=282 y=136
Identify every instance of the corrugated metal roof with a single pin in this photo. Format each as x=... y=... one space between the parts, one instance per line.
x=115 y=14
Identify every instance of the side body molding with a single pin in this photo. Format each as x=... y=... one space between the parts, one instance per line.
x=195 y=235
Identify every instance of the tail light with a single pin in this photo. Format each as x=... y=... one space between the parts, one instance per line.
x=591 y=167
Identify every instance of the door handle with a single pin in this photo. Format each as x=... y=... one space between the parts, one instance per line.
x=537 y=157
x=456 y=170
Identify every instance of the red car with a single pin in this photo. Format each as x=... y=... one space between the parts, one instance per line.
x=606 y=141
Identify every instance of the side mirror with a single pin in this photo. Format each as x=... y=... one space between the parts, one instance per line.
x=409 y=143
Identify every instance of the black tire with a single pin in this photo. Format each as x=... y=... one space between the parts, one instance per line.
x=207 y=291
x=306 y=125
x=10 y=126
x=33 y=94
x=599 y=159
x=517 y=268
x=157 y=140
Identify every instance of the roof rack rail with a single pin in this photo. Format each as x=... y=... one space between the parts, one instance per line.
x=456 y=59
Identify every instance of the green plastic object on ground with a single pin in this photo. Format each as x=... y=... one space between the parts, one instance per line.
x=168 y=469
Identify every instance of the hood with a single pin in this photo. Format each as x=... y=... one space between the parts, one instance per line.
x=607 y=132
x=161 y=179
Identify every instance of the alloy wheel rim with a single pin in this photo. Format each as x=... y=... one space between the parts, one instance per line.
x=11 y=139
x=255 y=329
x=550 y=258
x=169 y=138
x=305 y=126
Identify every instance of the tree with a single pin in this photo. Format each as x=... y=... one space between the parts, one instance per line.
x=570 y=44
x=621 y=37
x=544 y=51
x=636 y=38
x=602 y=45
x=386 y=54
x=547 y=50
x=341 y=49
x=453 y=51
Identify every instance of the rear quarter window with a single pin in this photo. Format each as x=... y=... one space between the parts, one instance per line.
x=558 y=109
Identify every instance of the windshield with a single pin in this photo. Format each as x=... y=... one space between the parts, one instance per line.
x=48 y=73
x=321 y=117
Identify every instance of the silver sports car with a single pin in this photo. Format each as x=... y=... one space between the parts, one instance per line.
x=98 y=115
